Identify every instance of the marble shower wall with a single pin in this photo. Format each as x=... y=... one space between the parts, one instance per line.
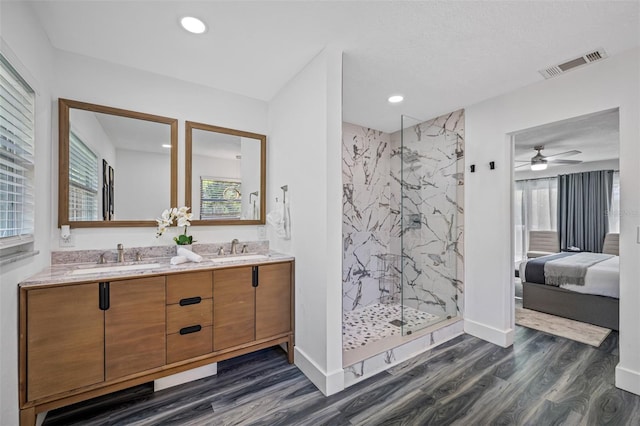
x=431 y=183
x=370 y=274
x=372 y=226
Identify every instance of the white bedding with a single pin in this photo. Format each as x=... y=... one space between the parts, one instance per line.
x=602 y=279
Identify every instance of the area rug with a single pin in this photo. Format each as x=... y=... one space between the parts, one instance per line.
x=563 y=327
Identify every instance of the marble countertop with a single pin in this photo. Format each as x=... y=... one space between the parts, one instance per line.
x=64 y=273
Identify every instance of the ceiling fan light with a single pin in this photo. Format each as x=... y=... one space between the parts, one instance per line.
x=536 y=167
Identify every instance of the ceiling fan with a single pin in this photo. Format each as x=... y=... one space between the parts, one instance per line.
x=539 y=161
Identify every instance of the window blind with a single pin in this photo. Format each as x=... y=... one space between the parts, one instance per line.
x=17 y=122
x=220 y=198
x=83 y=181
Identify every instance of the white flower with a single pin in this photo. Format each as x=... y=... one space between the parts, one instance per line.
x=180 y=215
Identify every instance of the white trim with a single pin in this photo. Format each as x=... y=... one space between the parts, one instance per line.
x=16 y=63
x=185 y=377
x=327 y=383
x=493 y=335
x=628 y=380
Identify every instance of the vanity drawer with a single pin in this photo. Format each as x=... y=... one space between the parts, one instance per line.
x=185 y=346
x=185 y=286
x=179 y=317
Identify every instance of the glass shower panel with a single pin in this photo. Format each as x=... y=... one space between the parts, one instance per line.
x=428 y=216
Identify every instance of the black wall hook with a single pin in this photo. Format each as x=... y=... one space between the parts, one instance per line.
x=472 y=168
x=492 y=165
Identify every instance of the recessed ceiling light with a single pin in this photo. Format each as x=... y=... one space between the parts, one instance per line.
x=396 y=98
x=164 y=145
x=193 y=25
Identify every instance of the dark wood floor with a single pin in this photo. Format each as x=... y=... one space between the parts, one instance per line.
x=541 y=380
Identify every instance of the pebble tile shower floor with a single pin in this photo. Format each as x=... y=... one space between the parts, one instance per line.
x=372 y=323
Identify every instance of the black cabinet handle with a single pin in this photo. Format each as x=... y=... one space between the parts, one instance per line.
x=254 y=276
x=190 y=301
x=190 y=329
x=103 y=296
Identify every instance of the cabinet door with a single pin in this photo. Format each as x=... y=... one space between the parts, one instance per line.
x=135 y=326
x=273 y=300
x=65 y=339
x=233 y=307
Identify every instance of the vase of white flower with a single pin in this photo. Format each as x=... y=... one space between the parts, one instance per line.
x=182 y=218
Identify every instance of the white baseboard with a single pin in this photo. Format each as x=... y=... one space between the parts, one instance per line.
x=628 y=380
x=327 y=383
x=493 y=335
x=185 y=376
x=40 y=418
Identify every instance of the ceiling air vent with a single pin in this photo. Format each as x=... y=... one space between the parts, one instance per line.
x=585 y=59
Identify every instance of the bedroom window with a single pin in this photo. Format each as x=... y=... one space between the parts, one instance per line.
x=614 y=211
x=17 y=158
x=83 y=181
x=535 y=210
x=220 y=198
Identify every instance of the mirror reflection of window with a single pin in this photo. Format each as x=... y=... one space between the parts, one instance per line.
x=83 y=181
x=224 y=168
x=220 y=198
x=139 y=150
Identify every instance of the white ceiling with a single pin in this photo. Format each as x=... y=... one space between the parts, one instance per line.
x=440 y=55
x=596 y=136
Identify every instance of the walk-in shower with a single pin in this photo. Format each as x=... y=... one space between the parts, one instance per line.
x=402 y=230
x=431 y=171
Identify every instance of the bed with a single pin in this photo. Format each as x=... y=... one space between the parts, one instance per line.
x=581 y=286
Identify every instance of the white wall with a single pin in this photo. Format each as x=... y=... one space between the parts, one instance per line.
x=305 y=154
x=86 y=79
x=250 y=165
x=608 y=84
x=28 y=49
x=149 y=173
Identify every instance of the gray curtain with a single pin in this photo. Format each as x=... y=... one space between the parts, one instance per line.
x=583 y=204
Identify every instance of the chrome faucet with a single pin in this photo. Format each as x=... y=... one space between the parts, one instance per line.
x=234 y=246
x=120 y=253
x=101 y=259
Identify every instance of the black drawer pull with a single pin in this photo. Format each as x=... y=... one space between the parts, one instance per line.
x=190 y=329
x=254 y=276
x=190 y=301
x=103 y=296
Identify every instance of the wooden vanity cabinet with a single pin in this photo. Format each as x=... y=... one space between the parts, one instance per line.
x=75 y=338
x=134 y=331
x=82 y=340
x=273 y=300
x=251 y=303
x=189 y=315
x=64 y=339
x=233 y=307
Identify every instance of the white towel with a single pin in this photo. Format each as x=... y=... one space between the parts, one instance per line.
x=276 y=219
x=191 y=256
x=280 y=220
x=287 y=222
x=176 y=260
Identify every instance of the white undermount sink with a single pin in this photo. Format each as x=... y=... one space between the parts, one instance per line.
x=238 y=258
x=114 y=268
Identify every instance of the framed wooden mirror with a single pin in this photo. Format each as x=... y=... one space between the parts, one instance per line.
x=116 y=167
x=225 y=175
